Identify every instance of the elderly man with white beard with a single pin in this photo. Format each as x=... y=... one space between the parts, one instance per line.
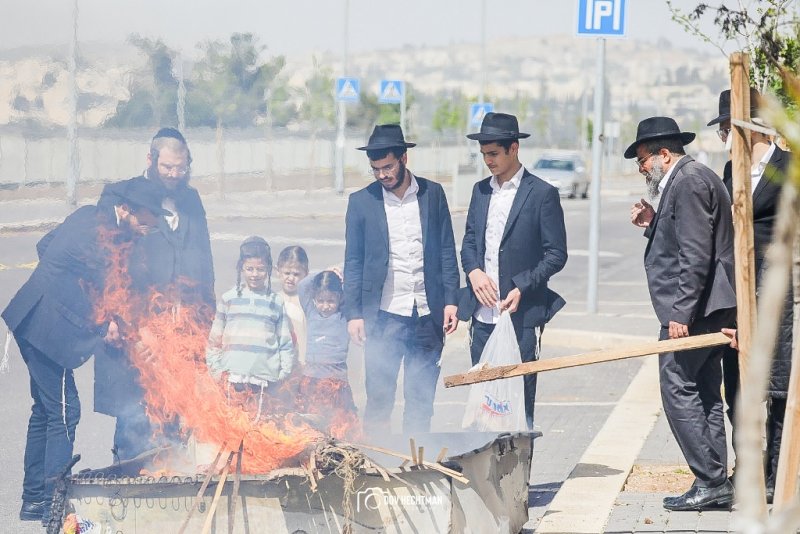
x=689 y=267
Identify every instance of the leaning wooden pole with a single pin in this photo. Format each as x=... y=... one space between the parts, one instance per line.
x=786 y=479
x=750 y=473
x=786 y=486
x=487 y=374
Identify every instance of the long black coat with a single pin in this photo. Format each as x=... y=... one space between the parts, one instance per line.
x=532 y=249
x=178 y=263
x=765 y=208
x=54 y=310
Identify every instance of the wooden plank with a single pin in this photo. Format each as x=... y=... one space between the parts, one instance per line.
x=217 y=494
x=455 y=475
x=550 y=364
x=208 y=474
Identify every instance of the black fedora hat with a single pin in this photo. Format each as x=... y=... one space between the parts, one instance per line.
x=139 y=192
x=386 y=136
x=657 y=128
x=725 y=106
x=498 y=127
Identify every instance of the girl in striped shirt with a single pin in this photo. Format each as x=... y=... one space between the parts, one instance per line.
x=250 y=343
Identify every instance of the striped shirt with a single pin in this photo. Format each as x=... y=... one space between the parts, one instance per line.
x=251 y=338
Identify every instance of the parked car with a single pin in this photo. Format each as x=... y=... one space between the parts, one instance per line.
x=565 y=171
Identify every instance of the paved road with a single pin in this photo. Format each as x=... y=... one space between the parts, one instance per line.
x=572 y=405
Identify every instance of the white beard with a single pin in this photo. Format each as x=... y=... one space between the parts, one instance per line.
x=654 y=177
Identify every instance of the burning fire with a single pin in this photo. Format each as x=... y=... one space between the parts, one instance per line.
x=167 y=345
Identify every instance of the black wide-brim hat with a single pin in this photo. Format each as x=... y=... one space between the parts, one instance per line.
x=386 y=136
x=498 y=127
x=140 y=192
x=725 y=106
x=657 y=128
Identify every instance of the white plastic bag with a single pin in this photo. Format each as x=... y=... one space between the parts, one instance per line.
x=499 y=405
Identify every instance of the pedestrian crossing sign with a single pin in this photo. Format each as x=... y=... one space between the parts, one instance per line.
x=391 y=91
x=347 y=89
x=478 y=111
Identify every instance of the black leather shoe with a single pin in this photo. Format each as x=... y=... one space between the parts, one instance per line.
x=31 y=511
x=698 y=498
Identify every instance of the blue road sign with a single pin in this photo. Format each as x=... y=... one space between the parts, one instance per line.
x=391 y=91
x=347 y=89
x=478 y=111
x=603 y=18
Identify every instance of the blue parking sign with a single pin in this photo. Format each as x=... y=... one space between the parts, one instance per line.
x=602 y=18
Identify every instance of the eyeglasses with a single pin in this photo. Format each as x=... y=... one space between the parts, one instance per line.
x=173 y=170
x=386 y=170
x=641 y=161
x=723 y=133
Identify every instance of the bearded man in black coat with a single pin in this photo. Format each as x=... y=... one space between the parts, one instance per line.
x=176 y=262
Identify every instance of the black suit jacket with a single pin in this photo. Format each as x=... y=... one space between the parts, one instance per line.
x=765 y=200
x=689 y=254
x=53 y=310
x=533 y=248
x=366 y=259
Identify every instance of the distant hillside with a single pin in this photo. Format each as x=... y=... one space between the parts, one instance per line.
x=549 y=72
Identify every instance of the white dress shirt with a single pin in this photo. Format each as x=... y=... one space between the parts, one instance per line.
x=499 y=207
x=169 y=205
x=757 y=171
x=663 y=183
x=405 y=279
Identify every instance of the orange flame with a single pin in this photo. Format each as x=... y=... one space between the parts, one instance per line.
x=167 y=345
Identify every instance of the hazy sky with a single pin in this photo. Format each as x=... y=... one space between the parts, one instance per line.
x=296 y=26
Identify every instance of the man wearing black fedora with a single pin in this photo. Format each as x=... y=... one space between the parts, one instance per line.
x=689 y=266
x=53 y=321
x=400 y=281
x=515 y=240
x=769 y=164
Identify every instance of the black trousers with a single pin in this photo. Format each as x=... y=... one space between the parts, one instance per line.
x=690 y=392
x=417 y=343
x=529 y=343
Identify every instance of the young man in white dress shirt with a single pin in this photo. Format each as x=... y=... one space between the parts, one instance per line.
x=515 y=240
x=400 y=281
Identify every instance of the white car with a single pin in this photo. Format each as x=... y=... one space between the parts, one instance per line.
x=565 y=171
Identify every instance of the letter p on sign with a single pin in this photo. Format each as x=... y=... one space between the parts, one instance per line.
x=601 y=17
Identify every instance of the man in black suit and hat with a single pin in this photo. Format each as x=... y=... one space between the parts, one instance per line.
x=689 y=267
x=769 y=164
x=53 y=321
x=400 y=281
x=515 y=240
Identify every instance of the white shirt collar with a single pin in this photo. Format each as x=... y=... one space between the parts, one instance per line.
x=515 y=180
x=413 y=189
x=663 y=183
x=758 y=169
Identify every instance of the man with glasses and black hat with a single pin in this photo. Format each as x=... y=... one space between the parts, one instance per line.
x=689 y=265
x=400 y=281
x=515 y=240
x=769 y=164
x=52 y=318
